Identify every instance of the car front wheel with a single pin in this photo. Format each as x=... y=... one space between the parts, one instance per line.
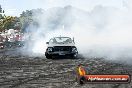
x=48 y=56
x=74 y=55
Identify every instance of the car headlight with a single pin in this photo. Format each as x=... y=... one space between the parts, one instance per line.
x=49 y=49
x=74 y=49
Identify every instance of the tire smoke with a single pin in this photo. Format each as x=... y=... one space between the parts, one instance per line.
x=104 y=32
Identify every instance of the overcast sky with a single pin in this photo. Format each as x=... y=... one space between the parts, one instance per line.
x=15 y=7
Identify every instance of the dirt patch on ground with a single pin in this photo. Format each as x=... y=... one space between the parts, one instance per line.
x=19 y=71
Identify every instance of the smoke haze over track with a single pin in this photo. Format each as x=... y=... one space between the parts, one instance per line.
x=102 y=32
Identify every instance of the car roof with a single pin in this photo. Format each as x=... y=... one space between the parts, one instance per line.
x=61 y=37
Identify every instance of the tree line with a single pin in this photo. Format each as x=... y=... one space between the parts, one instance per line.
x=20 y=23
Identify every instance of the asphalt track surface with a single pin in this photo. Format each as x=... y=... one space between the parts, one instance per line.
x=23 y=71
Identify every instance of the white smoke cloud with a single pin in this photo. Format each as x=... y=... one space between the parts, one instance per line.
x=103 y=32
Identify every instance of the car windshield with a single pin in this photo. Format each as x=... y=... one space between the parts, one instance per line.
x=61 y=40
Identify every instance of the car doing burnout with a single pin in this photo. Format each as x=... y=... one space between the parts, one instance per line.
x=61 y=46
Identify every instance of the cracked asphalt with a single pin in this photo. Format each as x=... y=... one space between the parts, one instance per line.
x=23 y=71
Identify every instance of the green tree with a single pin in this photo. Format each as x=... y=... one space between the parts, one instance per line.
x=9 y=22
x=27 y=18
x=1 y=12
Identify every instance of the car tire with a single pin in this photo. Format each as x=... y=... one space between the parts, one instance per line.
x=48 y=56
x=74 y=56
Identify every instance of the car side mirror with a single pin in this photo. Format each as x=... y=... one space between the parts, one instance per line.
x=47 y=42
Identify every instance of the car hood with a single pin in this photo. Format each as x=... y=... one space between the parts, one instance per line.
x=51 y=45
